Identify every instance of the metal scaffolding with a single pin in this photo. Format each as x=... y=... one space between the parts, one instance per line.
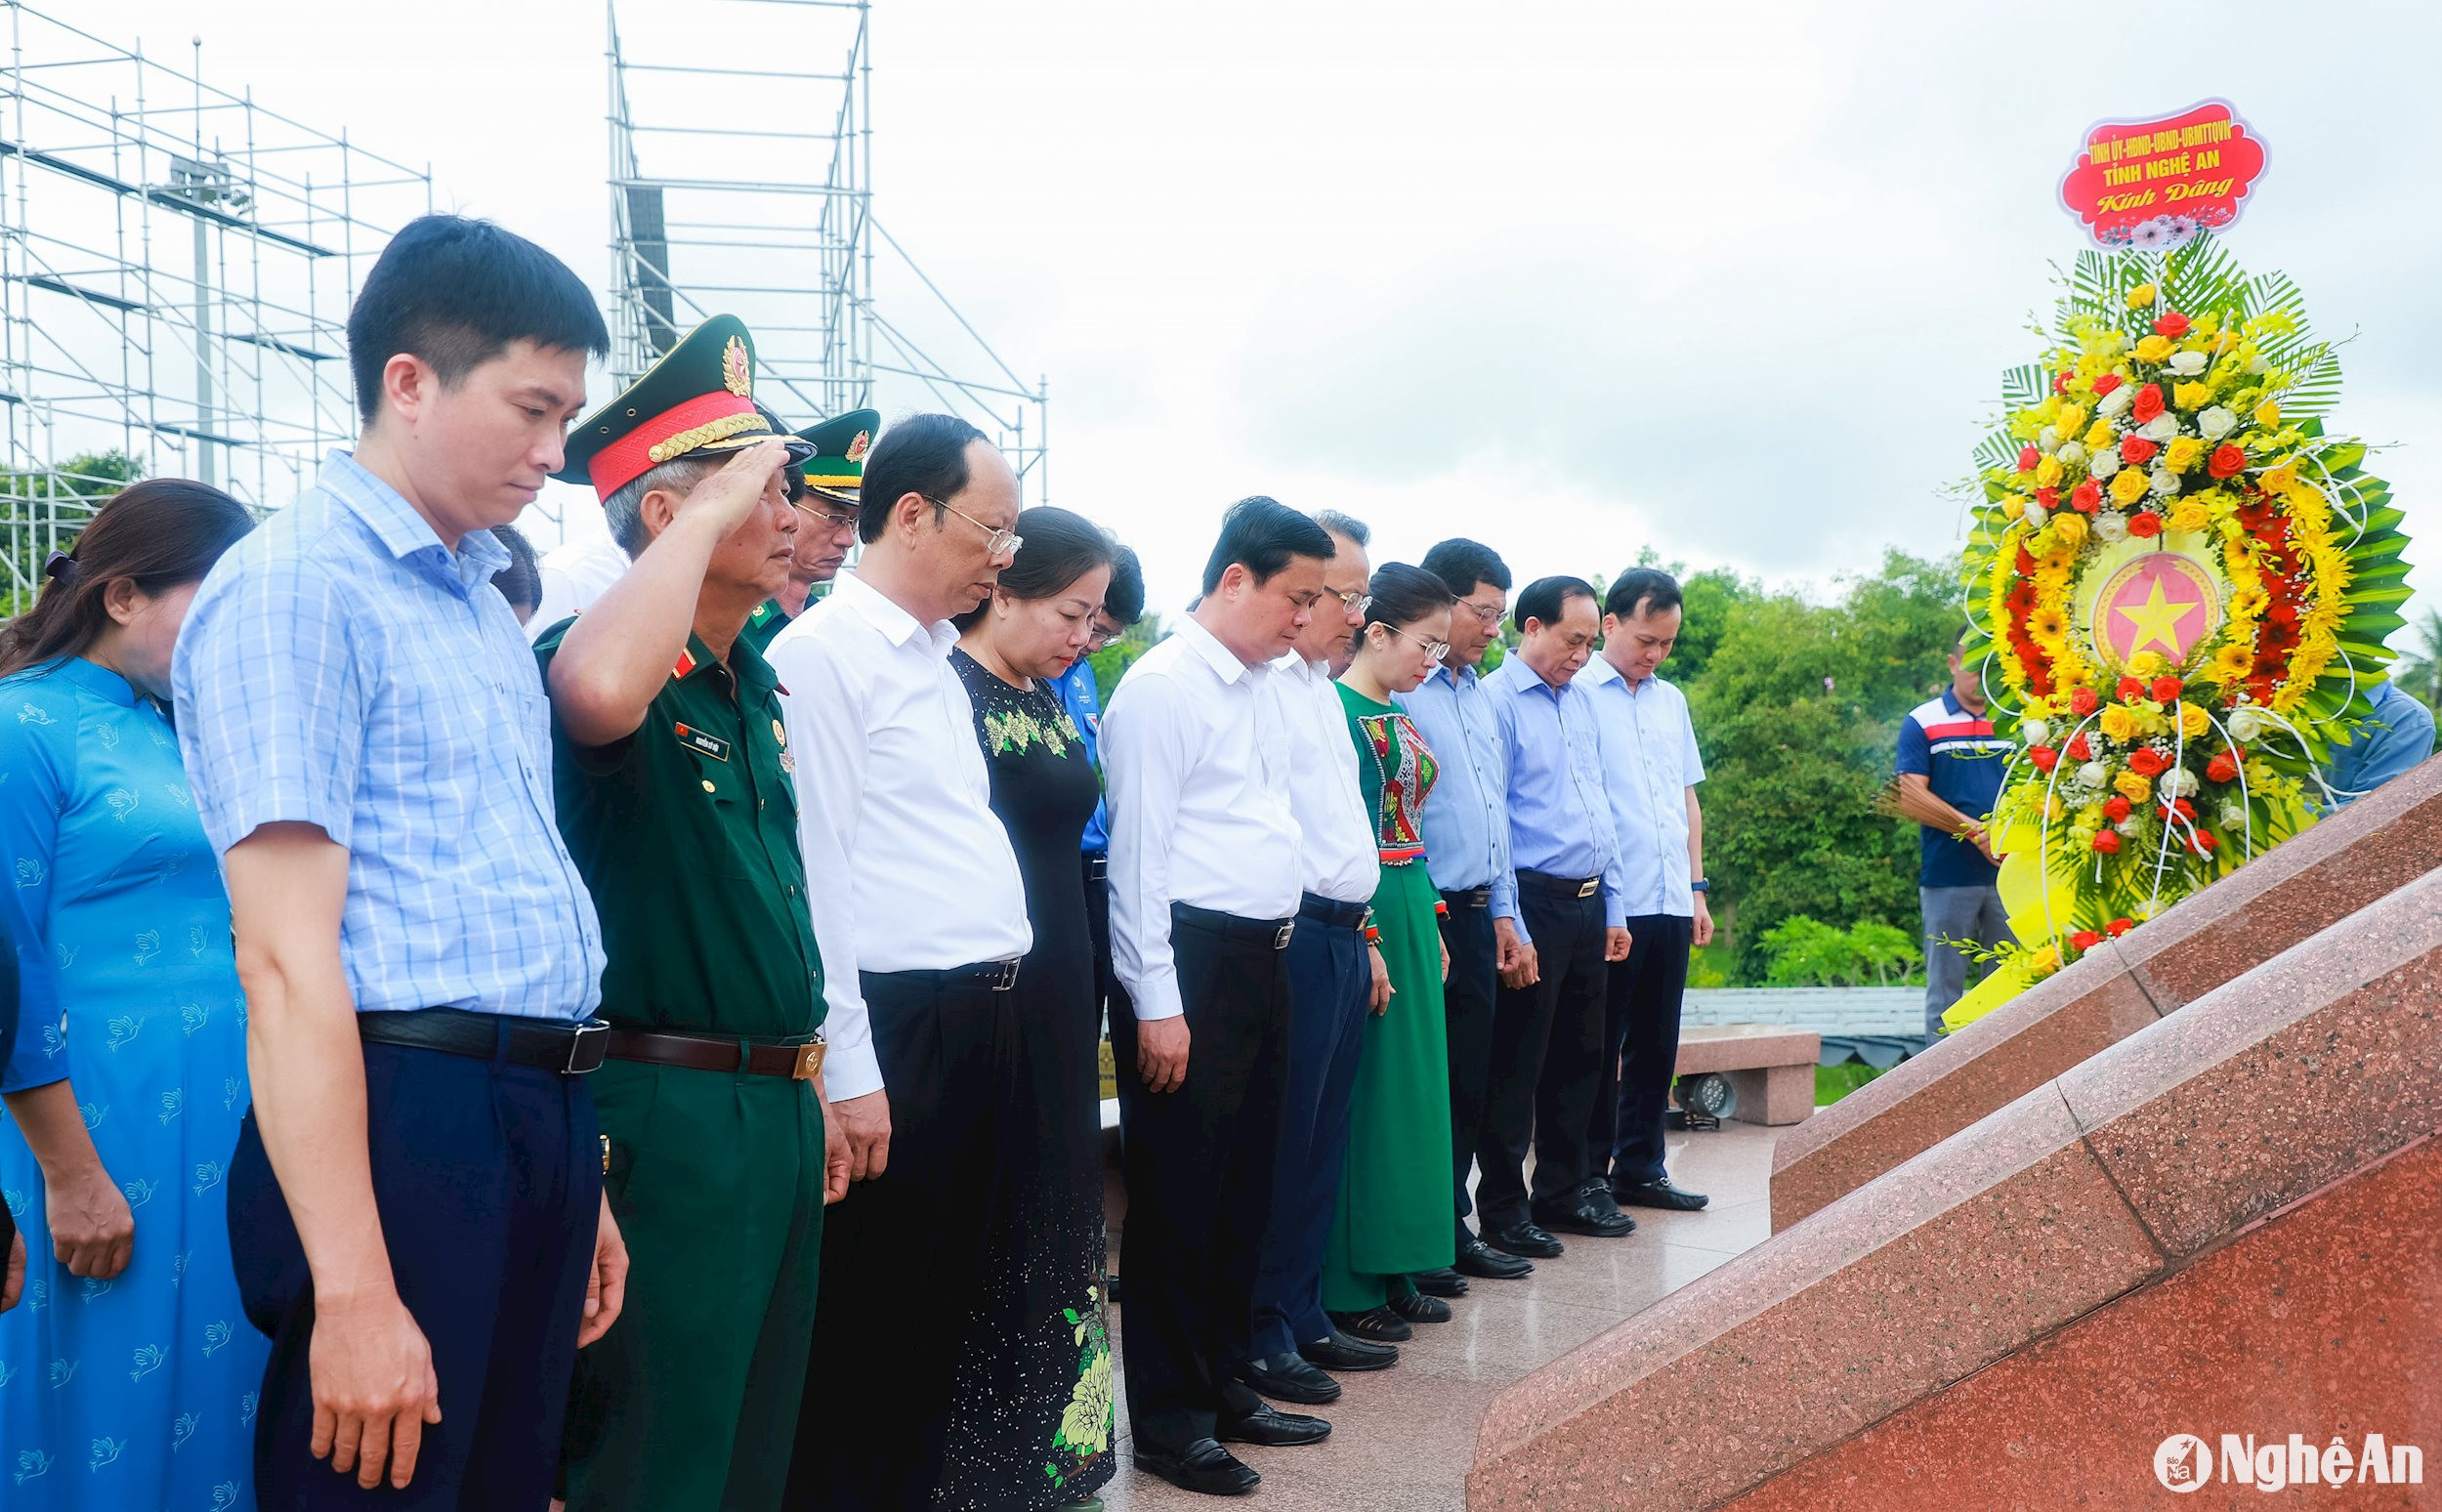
x=741 y=182
x=175 y=267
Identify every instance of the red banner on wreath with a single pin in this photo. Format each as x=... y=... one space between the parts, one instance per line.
x=2155 y=183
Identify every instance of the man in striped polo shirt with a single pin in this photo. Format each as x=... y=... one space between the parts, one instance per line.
x=1949 y=753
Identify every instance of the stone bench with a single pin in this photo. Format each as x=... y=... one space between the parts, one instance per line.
x=1771 y=1067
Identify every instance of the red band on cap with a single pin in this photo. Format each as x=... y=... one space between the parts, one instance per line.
x=631 y=457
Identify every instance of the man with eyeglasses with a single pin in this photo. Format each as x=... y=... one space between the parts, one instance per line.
x=921 y=919
x=1206 y=882
x=1466 y=851
x=824 y=491
x=1334 y=977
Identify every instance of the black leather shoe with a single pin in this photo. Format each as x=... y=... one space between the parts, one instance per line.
x=1339 y=1352
x=1598 y=1219
x=1477 y=1258
x=1418 y=1307
x=1203 y=1466
x=1289 y=1378
x=1378 y=1324
x=1273 y=1428
x=1443 y=1282
x=1526 y=1238
x=1660 y=1194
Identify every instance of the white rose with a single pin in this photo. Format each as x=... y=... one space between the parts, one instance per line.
x=2163 y=480
x=2233 y=815
x=2047 y=438
x=2117 y=402
x=2215 y=422
x=2162 y=428
x=2256 y=367
x=2111 y=528
x=2177 y=783
x=2036 y=731
x=2246 y=722
x=2094 y=774
x=2070 y=453
x=2103 y=463
x=2187 y=363
x=2130 y=826
x=2037 y=514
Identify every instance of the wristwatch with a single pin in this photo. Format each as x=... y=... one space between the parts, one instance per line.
x=1700 y=886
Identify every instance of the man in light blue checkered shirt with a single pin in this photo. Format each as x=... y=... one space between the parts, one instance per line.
x=415 y=1204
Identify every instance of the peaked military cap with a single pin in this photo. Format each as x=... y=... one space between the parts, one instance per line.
x=700 y=398
x=836 y=470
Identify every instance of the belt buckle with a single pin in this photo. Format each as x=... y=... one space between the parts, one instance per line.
x=1280 y=942
x=810 y=1062
x=592 y=1031
x=1585 y=889
x=1008 y=977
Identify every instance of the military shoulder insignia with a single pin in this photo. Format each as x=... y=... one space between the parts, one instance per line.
x=857 y=448
x=737 y=374
x=685 y=663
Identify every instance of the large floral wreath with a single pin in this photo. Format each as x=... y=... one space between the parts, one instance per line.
x=2178 y=587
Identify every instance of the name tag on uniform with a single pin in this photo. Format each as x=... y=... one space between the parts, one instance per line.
x=711 y=745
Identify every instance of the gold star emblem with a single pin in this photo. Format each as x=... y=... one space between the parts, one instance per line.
x=2156 y=621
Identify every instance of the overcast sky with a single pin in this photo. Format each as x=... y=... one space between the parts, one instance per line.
x=1732 y=282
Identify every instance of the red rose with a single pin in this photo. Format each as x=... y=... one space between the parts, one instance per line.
x=2106 y=382
x=2179 y=807
x=2087 y=497
x=2085 y=940
x=2145 y=522
x=2116 y=808
x=2166 y=689
x=2146 y=762
x=2205 y=843
x=2084 y=702
x=2049 y=499
x=2131 y=689
x=2028 y=458
x=2118 y=927
x=2060 y=383
x=2228 y=460
x=2043 y=757
x=2107 y=842
x=2078 y=751
x=2136 y=450
x=2221 y=768
x=2149 y=403
x=2172 y=324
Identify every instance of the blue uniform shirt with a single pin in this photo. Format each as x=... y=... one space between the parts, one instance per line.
x=1083 y=701
x=1960 y=759
x=1559 y=815
x=1650 y=756
x=342 y=667
x=2395 y=737
x=1466 y=825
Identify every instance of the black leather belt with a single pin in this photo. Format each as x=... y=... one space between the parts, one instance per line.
x=795 y=1057
x=1469 y=898
x=991 y=976
x=573 y=1049
x=1228 y=926
x=1096 y=866
x=1560 y=887
x=1331 y=911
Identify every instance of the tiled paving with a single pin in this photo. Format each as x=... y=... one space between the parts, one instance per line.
x=1403 y=1439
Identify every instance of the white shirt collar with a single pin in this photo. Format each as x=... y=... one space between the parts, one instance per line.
x=884 y=615
x=1204 y=644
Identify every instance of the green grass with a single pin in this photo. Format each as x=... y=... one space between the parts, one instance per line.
x=1834 y=1082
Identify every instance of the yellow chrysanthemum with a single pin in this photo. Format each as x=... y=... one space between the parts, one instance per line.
x=2128 y=485
x=2189 y=515
x=2233 y=661
x=2183 y=454
x=2132 y=787
x=2047 y=624
x=2154 y=349
x=2118 y=721
x=2141 y=296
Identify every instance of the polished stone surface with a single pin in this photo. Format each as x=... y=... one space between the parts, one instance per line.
x=1403 y=1439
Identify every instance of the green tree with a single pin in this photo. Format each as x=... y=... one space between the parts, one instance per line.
x=2419 y=672
x=1114 y=659
x=42 y=509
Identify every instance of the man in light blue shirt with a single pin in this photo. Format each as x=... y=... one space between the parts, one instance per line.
x=415 y=1202
x=1651 y=767
x=2396 y=738
x=1570 y=909
x=1466 y=848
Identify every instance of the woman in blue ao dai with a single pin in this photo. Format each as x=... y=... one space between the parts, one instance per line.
x=128 y=1372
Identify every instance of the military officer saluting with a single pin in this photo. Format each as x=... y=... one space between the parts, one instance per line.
x=672 y=773
x=824 y=488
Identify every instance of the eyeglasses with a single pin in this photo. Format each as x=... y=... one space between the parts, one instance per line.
x=1490 y=613
x=1437 y=650
x=1356 y=601
x=1103 y=640
x=1003 y=542
x=835 y=522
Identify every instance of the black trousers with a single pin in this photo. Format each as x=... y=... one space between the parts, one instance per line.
x=1467 y=1004
x=1199 y=1176
x=1098 y=926
x=1640 y=1051
x=487 y=1176
x=1547 y=1043
x=904 y=1253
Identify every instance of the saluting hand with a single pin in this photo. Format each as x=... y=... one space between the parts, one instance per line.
x=731 y=494
x=1162 y=1052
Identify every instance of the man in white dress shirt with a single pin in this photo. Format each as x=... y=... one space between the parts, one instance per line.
x=1650 y=769
x=1334 y=977
x=921 y=920
x=1206 y=881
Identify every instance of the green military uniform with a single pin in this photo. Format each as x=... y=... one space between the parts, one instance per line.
x=685 y=833
x=835 y=474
